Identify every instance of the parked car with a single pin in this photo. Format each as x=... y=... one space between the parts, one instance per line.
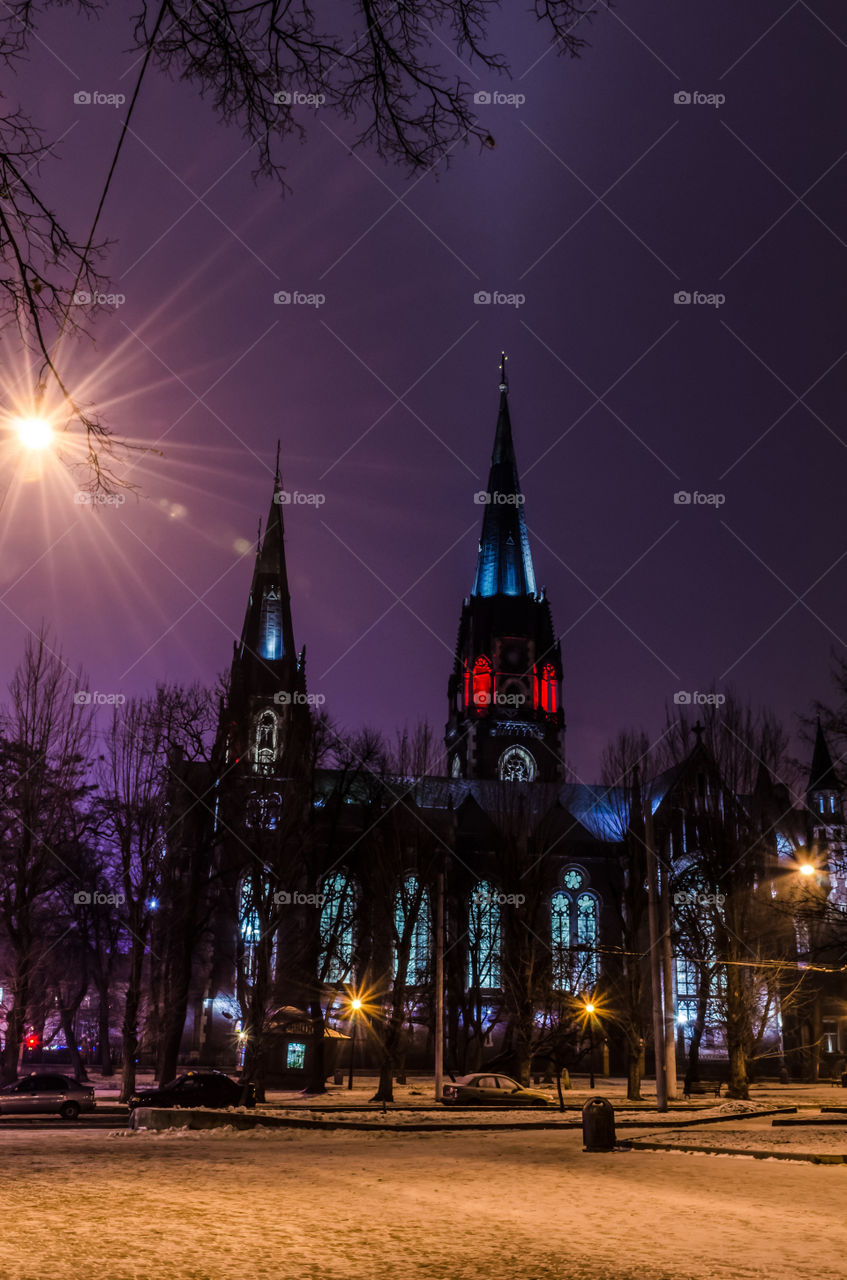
x=196 y=1089
x=492 y=1091
x=46 y=1095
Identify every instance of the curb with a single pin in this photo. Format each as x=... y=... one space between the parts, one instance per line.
x=804 y=1157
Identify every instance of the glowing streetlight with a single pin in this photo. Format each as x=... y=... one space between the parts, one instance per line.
x=34 y=433
x=590 y=1007
x=807 y=869
x=356 y=1004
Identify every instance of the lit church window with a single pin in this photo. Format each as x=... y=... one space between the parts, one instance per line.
x=561 y=938
x=266 y=735
x=516 y=765
x=482 y=683
x=412 y=923
x=484 y=938
x=574 y=930
x=338 y=910
x=586 y=908
x=254 y=924
x=270 y=625
x=548 y=690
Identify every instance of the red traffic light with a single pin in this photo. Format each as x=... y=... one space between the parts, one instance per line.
x=32 y=1041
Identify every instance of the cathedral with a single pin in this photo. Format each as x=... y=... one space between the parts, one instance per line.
x=344 y=873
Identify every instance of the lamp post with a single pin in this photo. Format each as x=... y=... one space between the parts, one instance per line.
x=355 y=1006
x=589 y=1009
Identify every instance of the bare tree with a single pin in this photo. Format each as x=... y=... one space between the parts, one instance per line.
x=721 y=851
x=44 y=754
x=377 y=65
x=133 y=798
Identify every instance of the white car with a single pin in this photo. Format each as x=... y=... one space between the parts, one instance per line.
x=38 y=1095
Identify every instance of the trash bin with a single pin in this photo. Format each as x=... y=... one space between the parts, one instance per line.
x=598 y=1125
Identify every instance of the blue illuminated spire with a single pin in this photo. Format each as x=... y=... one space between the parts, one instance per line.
x=504 y=566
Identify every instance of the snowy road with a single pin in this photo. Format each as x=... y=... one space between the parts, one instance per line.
x=343 y=1206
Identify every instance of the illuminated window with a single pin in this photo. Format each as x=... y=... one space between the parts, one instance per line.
x=254 y=910
x=412 y=925
x=338 y=910
x=574 y=935
x=270 y=625
x=560 y=924
x=548 y=690
x=266 y=742
x=296 y=1057
x=516 y=764
x=482 y=683
x=586 y=936
x=484 y=938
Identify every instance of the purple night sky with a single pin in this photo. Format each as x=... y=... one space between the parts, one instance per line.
x=602 y=199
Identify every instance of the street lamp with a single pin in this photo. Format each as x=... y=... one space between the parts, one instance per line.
x=355 y=1007
x=34 y=433
x=807 y=869
x=589 y=1009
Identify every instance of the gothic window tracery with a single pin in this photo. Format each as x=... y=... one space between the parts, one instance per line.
x=266 y=742
x=516 y=765
x=484 y=938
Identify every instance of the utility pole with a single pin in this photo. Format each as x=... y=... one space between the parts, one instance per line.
x=667 y=983
x=655 y=964
x=439 y=987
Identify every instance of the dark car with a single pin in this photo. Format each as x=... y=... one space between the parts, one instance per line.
x=41 y=1095
x=197 y=1089
x=492 y=1091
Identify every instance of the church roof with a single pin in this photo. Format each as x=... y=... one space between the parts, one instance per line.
x=504 y=565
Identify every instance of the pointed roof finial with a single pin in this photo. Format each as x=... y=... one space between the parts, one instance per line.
x=504 y=381
x=699 y=730
x=276 y=469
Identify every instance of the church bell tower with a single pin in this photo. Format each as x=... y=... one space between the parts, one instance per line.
x=505 y=718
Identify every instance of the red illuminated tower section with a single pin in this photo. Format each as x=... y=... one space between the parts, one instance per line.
x=505 y=692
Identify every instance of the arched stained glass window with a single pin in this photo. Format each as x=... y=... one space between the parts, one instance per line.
x=548 y=689
x=482 y=684
x=560 y=926
x=412 y=925
x=266 y=741
x=484 y=938
x=338 y=911
x=574 y=935
x=586 y=932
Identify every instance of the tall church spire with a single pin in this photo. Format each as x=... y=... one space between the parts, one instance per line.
x=504 y=694
x=267 y=637
x=504 y=564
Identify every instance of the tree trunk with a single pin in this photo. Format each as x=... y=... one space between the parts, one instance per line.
x=635 y=1071
x=317 y=1074
x=15 y=1028
x=173 y=1026
x=385 y=1091
x=67 y=1018
x=130 y=1022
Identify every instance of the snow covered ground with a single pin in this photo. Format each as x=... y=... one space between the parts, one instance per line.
x=361 y=1206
